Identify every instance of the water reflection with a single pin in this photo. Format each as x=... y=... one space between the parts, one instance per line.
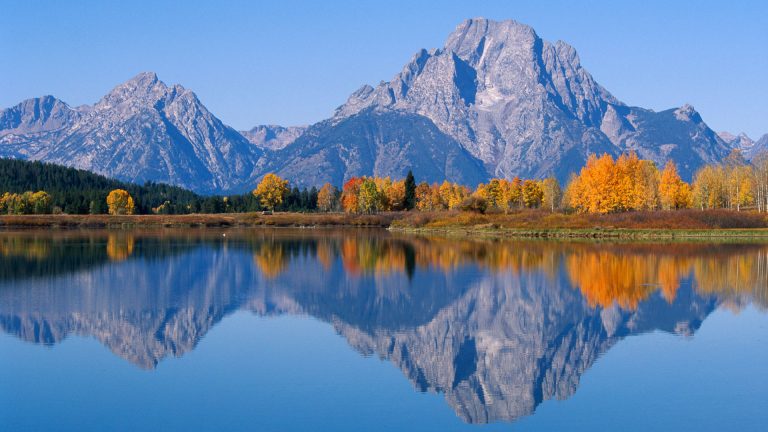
x=495 y=326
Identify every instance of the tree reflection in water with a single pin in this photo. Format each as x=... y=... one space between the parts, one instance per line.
x=497 y=326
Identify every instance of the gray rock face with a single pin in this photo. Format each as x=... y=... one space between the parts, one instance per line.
x=141 y=131
x=527 y=107
x=273 y=137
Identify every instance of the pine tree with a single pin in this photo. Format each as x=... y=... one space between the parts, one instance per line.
x=410 y=191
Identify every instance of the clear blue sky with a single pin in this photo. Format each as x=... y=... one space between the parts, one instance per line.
x=292 y=62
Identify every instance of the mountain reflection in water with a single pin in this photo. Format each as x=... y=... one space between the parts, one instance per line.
x=495 y=326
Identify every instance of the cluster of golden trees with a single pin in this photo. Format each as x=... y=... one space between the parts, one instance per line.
x=373 y=194
x=505 y=194
x=628 y=183
x=734 y=184
x=606 y=185
x=26 y=203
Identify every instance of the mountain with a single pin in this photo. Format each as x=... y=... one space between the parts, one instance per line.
x=143 y=130
x=526 y=107
x=35 y=125
x=495 y=101
x=273 y=137
x=741 y=142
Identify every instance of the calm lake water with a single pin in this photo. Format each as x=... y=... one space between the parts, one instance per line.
x=297 y=330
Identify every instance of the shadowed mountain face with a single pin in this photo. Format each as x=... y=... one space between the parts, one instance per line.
x=495 y=101
x=497 y=327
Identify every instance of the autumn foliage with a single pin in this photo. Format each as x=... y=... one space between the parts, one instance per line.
x=271 y=191
x=26 y=203
x=120 y=202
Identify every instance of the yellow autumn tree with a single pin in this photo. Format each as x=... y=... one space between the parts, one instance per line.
x=532 y=194
x=326 y=198
x=552 y=194
x=709 y=188
x=120 y=202
x=369 y=198
x=741 y=186
x=271 y=191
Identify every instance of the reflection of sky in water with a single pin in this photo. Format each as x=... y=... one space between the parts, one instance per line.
x=491 y=331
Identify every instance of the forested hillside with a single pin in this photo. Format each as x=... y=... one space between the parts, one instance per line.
x=80 y=191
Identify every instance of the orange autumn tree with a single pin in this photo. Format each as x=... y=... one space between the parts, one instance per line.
x=608 y=186
x=674 y=193
x=395 y=195
x=349 y=194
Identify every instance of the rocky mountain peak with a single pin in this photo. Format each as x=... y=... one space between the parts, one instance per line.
x=36 y=115
x=143 y=89
x=477 y=37
x=688 y=113
x=273 y=137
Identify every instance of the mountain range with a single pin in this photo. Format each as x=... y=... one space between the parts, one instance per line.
x=495 y=101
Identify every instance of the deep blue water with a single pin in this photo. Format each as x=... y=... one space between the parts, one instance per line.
x=364 y=330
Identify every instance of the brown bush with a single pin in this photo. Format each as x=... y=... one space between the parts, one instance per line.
x=474 y=204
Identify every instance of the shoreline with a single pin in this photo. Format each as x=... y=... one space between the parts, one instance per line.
x=527 y=224
x=596 y=233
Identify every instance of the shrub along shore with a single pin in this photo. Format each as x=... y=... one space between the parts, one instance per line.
x=522 y=223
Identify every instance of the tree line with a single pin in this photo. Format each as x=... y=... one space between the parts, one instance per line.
x=75 y=191
x=604 y=185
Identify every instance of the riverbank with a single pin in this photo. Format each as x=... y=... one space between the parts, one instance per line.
x=630 y=225
x=222 y=220
x=523 y=224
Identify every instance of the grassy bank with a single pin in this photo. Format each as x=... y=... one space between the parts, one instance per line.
x=529 y=223
x=197 y=220
x=639 y=225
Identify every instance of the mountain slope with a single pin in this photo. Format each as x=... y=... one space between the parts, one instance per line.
x=366 y=144
x=760 y=147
